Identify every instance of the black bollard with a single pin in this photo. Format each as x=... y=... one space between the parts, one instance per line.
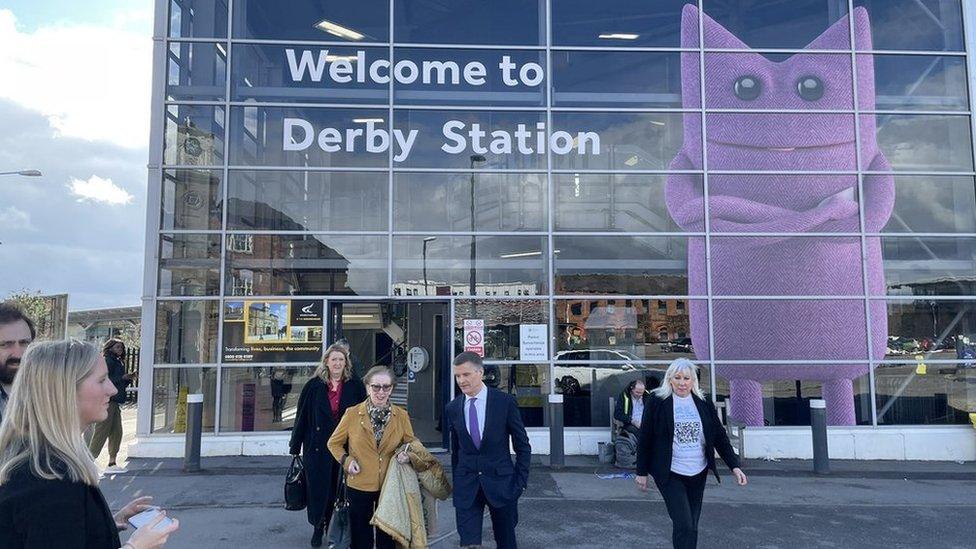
x=194 y=430
x=818 y=423
x=557 y=452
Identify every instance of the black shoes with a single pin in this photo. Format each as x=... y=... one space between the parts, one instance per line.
x=317 y=537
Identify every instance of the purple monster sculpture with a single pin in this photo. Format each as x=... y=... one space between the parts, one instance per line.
x=831 y=333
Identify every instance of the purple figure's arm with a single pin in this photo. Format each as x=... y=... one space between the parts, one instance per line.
x=734 y=214
x=879 y=194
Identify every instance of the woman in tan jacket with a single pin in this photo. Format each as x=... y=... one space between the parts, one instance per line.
x=365 y=441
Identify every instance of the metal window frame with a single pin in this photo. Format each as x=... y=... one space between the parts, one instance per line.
x=156 y=167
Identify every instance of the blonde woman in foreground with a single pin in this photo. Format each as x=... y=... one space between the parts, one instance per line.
x=49 y=495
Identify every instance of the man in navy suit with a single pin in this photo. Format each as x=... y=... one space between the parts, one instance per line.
x=481 y=422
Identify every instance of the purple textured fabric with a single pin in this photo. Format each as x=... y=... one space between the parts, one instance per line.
x=473 y=429
x=783 y=329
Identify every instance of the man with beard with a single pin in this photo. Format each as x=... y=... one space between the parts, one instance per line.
x=16 y=333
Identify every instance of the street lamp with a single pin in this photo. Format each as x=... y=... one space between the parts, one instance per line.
x=25 y=173
x=427 y=240
x=471 y=282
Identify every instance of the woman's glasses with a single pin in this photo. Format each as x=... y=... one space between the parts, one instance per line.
x=378 y=388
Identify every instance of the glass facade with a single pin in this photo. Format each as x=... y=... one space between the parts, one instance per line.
x=784 y=193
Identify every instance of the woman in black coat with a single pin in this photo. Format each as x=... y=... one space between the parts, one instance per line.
x=324 y=399
x=49 y=495
x=679 y=435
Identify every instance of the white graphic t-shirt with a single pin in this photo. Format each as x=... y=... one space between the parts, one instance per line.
x=688 y=447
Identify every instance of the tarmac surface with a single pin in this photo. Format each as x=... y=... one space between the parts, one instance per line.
x=238 y=502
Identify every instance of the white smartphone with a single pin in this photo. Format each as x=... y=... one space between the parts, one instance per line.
x=141 y=519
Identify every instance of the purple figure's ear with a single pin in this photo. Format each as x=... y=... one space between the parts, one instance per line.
x=716 y=36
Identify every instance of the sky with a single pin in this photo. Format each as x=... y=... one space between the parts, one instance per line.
x=74 y=104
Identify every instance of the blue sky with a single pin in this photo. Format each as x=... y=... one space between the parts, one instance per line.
x=75 y=87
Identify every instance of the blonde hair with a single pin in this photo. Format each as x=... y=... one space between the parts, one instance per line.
x=322 y=371
x=679 y=365
x=41 y=424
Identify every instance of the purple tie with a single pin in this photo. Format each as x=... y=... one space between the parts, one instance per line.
x=473 y=425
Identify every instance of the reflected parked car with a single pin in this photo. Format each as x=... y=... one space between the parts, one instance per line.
x=678 y=345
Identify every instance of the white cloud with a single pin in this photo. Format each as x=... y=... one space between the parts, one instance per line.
x=91 y=81
x=97 y=189
x=13 y=218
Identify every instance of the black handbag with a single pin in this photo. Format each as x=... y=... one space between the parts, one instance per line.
x=340 y=530
x=296 y=498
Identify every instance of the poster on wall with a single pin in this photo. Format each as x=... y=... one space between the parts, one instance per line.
x=273 y=331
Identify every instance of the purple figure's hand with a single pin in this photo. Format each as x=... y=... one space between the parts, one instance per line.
x=840 y=205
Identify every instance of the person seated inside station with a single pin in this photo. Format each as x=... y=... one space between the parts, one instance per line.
x=630 y=407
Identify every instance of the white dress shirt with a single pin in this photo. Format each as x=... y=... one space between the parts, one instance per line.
x=480 y=405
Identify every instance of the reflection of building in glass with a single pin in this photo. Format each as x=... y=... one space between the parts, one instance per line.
x=417 y=287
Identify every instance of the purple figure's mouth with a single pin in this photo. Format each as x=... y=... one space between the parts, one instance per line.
x=801 y=148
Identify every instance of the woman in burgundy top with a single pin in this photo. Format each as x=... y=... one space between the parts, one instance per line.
x=324 y=399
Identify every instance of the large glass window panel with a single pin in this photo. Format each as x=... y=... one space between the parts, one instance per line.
x=933 y=204
x=623 y=23
x=627 y=329
x=310 y=137
x=198 y=18
x=443 y=202
x=779 y=394
x=194 y=135
x=500 y=140
x=170 y=389
x=628 y=265
x=309 y=74
x=262 y=398
x=307 y=201
x=618 y=141
x=778 y=81
x=783 y=329
x=921 y=142
x=783 y=266
x=502 y=320
x=503 y=22
x=620 y=79
x=313 y=20
x=196 y=71
x=189 y=264
x=937 y=329
x=191 y=200
x=763 y=24
x=780 y=141
x=931 y=25
x=917 y=82
x=921 y=393
x=469 y=77
x=186 y=332
x=929 y=266
x=764 y=203
x=588 y=388
x=305 y=265
x=528 y=383
x=443 y=265
x=618 y=202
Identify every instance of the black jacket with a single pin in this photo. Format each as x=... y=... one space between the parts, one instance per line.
x=40 y=513
x=489 y=466
x=624 y=407
x=116 y=371
x=313 y=427
x=657 y=437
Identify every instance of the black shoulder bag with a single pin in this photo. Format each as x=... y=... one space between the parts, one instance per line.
x=295 y=493
x=340 y=529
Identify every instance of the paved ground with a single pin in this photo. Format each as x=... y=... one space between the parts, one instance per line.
x=237 y=502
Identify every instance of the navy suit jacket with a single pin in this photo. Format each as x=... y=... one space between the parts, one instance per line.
x=489 y=467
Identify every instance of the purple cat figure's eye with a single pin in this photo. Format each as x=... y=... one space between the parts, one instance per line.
x=830 y=333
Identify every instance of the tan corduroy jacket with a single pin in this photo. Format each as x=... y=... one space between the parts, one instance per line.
x=354 y=435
